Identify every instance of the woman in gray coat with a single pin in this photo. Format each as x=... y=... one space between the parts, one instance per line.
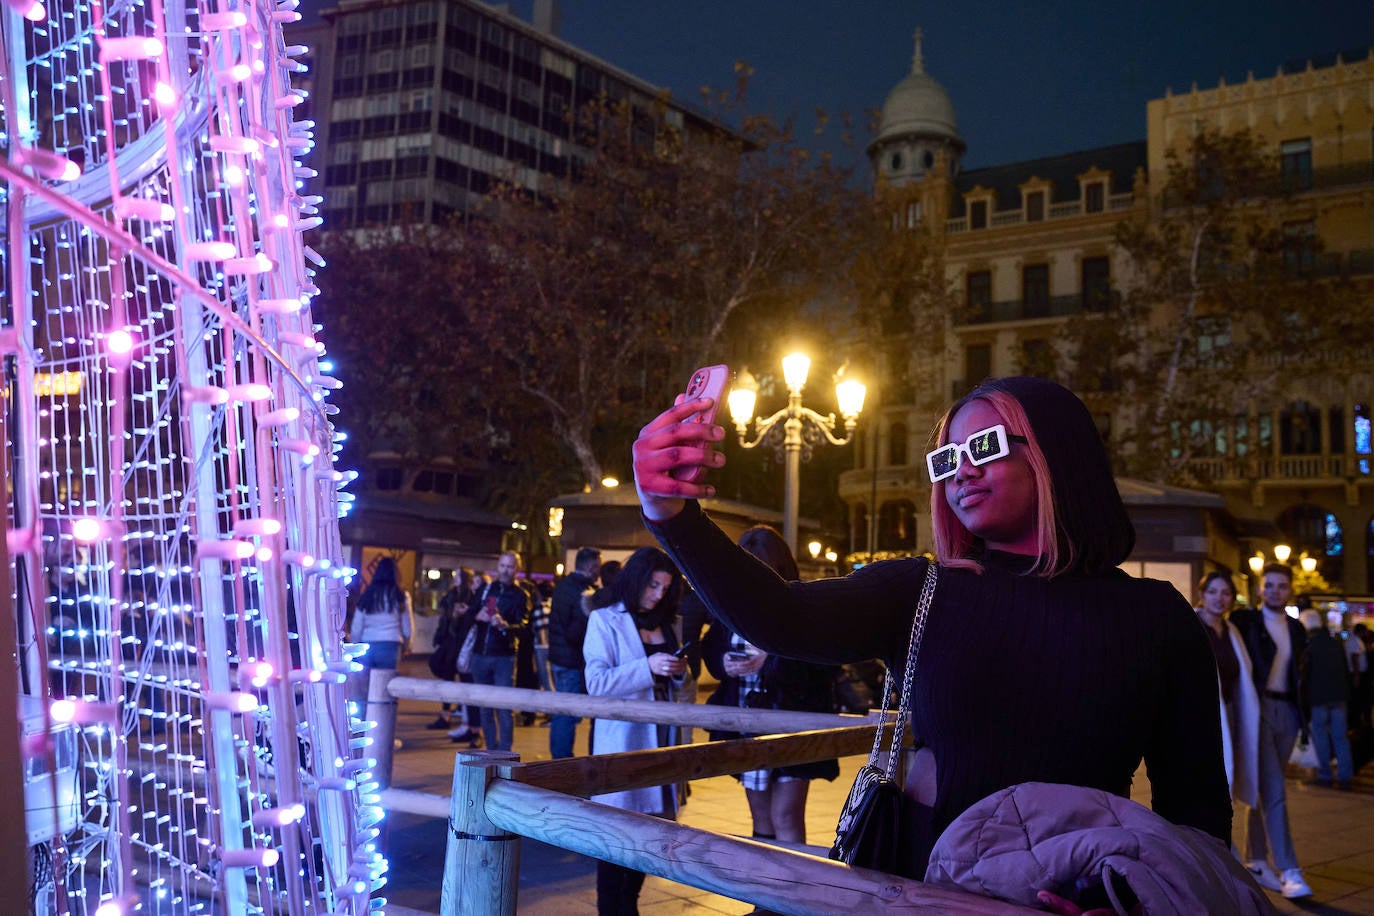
x=629 y=649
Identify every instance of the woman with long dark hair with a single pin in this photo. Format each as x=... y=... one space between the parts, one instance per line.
x=382 y=620
x=1239 y=700
x=629 y=650
x=1041 y=662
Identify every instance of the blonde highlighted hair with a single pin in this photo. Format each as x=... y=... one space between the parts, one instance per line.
x=953 y=542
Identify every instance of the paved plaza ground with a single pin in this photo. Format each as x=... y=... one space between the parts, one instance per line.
x=1333 y=832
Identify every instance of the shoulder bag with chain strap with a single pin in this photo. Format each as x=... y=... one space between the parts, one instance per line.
x=869 y=830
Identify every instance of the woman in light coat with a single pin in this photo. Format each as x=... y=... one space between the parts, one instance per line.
x=1239 y=701
x=629 y=649
x=382 y=620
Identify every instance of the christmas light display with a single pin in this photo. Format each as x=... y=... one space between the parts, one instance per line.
x=172 y=521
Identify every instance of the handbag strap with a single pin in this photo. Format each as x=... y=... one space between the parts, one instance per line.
x=918 y=628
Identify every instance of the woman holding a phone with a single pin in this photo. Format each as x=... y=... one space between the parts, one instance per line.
x=1041 y=661
x=630 y=649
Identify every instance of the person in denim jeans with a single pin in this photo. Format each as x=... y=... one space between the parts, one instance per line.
x=1326 y=687
x=501 y=614
x=567 y=628
x=382 y=620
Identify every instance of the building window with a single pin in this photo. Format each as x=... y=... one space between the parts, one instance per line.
x=1213 y=337
x=895 y=163
x=897 y=526
x=977 y=363
x=1316 y=532
x=1095 y=197
x=978 y=214
x=1096 y=274
x=1035 y=206
x=1362 y=438
x=913 y=214
x=1300 y=429
x=1035 y=290
x=979 y=292
x=896 y=445
x=1295 y=164
x=1299 y=248
x=440 y=482
x=1241 y=438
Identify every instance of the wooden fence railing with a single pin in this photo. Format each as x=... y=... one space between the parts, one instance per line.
x=497 y=799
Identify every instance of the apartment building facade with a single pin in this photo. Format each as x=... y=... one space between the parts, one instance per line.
x=1028 y=246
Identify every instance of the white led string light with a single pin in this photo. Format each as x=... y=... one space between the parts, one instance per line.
x=174 y=527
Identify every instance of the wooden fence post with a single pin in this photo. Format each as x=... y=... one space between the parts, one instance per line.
x=381 y=708
x=482 y=862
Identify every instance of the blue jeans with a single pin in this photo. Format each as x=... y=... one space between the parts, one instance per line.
x=562 y=729
x=383 y=654
x=499 y=671
x=1278 y=730
x=1329 y=740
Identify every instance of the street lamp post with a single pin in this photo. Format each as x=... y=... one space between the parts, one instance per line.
x=794 y=429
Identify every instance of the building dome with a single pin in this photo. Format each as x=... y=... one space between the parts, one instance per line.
x=917 y=117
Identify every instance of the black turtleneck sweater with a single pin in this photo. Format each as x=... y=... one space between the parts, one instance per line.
x=1020 y=678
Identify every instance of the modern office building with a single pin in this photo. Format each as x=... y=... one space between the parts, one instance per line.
x=1028 y=245
x=422 y=104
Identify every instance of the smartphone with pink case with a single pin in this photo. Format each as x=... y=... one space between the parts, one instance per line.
x=706 y=382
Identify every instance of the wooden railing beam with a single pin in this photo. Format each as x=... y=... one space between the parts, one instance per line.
x=773 y=878
x=640 y=769
x=694 y=715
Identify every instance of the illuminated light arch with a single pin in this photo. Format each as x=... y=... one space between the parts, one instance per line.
x=168 y=439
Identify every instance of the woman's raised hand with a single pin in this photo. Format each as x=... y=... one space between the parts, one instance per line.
x=669 y=442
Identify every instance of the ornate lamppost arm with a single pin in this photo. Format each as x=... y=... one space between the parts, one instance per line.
x=762 y=427
x=826 y=424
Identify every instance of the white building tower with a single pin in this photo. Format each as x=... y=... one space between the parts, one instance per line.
x=917 y=124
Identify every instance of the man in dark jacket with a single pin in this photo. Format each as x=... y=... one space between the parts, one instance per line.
x=501 y=613
x=1326 y=691
x=567 y=628
x=1275 y=643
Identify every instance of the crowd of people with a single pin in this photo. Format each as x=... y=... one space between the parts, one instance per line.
x=606 y=629
x=1078 y=673
x=1282 y=680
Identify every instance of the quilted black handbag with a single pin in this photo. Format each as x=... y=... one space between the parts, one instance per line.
x=871 y=833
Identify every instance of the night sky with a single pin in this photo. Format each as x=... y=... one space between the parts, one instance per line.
x=1027 y=79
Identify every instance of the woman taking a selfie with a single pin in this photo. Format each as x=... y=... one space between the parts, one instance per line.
x=1042 y=662
x=629 y=648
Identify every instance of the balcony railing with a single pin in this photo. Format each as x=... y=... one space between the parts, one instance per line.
x=1063 y=210
x=1024 y=310
x=1284 y=467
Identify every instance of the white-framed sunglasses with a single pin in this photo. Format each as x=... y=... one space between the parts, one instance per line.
x=981 y=447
